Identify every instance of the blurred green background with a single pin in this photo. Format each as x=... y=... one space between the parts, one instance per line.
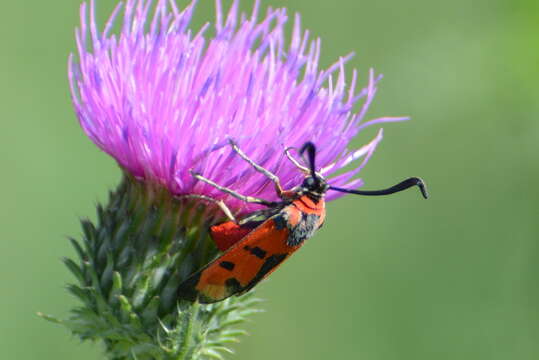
x=393 y=278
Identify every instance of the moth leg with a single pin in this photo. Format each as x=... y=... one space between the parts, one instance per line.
x=233 y=193
x=258 y=168
x=219 y=203
x=294 y=161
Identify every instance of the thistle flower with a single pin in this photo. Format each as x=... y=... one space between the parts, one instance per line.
x=164 y=100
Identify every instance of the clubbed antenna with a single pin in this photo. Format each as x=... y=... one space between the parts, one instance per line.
x=408 y=183
x=311 y=153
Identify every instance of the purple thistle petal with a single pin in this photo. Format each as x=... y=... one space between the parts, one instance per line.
x=364 y=152
x=163 y=100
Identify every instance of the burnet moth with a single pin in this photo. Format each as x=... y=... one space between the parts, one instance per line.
x=255 y=245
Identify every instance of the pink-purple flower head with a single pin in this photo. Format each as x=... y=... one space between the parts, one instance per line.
x=163 y=99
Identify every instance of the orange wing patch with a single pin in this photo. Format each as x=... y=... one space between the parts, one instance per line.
x=242 y=266
x=227 y=234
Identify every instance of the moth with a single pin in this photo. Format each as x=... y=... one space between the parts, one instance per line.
x=255 y=245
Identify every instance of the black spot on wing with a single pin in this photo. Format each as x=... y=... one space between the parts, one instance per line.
x=270 y=263
x=256 y=251
x=232 y=285
x=227 y=265
x=187 y=289
x=280 y=222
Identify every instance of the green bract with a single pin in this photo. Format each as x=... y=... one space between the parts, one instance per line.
x=128 y=267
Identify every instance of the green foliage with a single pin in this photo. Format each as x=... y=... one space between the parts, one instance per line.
x=128 y=269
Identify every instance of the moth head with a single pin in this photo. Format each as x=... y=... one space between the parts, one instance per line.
x=313 y=184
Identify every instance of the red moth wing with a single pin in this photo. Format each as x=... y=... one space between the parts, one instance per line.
x=227 y=234
x=243 y=265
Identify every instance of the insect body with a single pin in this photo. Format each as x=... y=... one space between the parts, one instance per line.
x=257 y=244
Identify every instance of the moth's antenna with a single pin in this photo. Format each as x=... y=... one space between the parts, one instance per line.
x=311 y=153
x=406 y=184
